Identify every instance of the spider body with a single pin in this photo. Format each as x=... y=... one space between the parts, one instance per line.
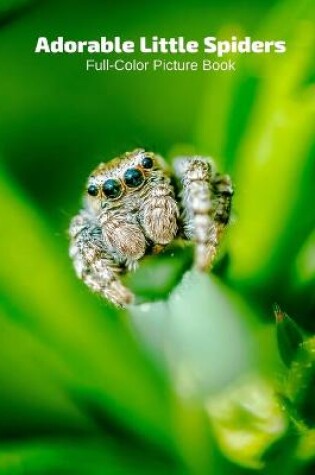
x=131 y=208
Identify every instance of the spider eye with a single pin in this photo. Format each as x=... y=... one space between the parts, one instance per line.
x=147 y=163
x=133 y=177
x=92 y=190
x=112 y=188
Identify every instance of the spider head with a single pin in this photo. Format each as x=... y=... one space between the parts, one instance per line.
x=112 y=182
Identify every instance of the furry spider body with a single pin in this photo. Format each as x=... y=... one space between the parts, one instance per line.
x=131 y=208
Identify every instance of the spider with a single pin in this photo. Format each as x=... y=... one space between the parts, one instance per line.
x=135 y=205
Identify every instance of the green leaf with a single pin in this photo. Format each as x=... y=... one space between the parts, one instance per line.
x=88 y=456
x=300 y=383
x=304 y=269
x=32 y=377
x=86 y=334
x=273 y=164
x=202 y=334
x=289 y=336
x=157 y=275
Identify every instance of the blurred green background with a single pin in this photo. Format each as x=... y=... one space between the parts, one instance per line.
x=191 y=380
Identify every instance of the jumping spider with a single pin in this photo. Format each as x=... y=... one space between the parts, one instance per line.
x=135 y=205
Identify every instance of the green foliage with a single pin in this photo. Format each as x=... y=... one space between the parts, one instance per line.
x=190 y=380
x=289 y=336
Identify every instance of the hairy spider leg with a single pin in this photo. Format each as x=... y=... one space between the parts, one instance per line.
x=206 y=203
x=93 y=264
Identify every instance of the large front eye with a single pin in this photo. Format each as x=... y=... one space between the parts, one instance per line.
x=133 y=177
x=112 y=188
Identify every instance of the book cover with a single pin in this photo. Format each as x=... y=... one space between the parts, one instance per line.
x=157 y=246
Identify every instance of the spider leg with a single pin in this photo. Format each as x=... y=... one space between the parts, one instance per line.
x=93 y=264
x=206 y=202
x=223 y=191
x=158 y=214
